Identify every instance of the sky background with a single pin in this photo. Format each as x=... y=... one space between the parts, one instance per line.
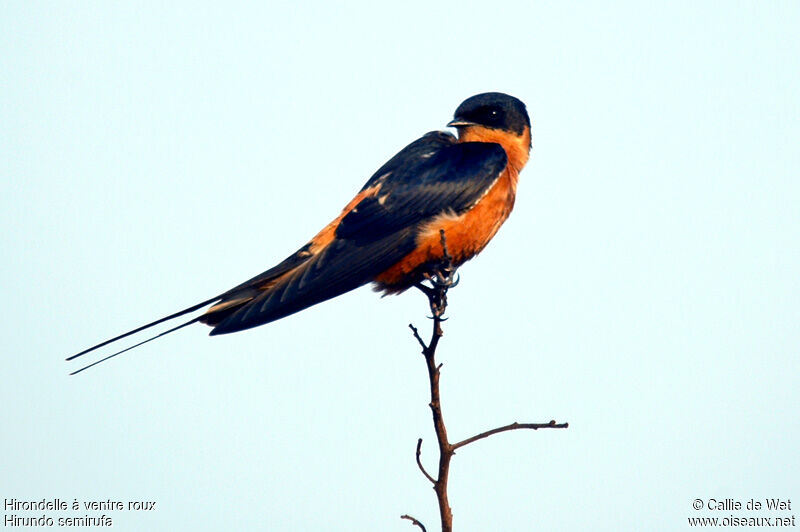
x=646 y=288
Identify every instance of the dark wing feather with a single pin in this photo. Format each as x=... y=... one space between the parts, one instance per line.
x=405 y=159
x=430 y=176
x=449 y=178
x=290 y=263
x=415 y=152
x=342 y=266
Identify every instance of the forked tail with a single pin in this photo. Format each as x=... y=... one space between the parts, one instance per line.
x=142 y=328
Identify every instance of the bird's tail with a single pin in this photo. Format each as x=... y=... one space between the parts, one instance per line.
x=142 y=328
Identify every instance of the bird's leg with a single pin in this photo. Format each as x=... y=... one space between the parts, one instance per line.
x=425 y=289
x=442 y=277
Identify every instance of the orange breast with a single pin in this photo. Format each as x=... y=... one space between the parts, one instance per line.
x=467 y=234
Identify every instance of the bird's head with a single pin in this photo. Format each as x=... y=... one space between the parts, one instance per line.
x=495 y=117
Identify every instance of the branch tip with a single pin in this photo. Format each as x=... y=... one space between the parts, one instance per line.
x=419 y=463
x=414 y=521
x=513 y=426
x=418 y=337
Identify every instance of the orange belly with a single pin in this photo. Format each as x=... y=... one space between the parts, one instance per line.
x=467 y=234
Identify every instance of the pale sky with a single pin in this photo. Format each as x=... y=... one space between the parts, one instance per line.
x=645 y=288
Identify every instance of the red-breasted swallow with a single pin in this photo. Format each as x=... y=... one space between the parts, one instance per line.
x=389 y=234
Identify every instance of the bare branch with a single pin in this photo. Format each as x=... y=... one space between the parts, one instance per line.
x=413 y=521
x=441 y=278
x=419 y=463
x=513 y=426
x=417 y=336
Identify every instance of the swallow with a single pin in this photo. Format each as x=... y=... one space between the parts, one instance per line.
x=389 y=233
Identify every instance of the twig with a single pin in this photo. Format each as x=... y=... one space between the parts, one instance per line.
x=419 y=339
x=413 y=521
x=419 y=463
x=512 y=426
x=443 y=277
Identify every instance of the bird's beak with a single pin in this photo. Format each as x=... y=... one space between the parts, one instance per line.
x=459 y=122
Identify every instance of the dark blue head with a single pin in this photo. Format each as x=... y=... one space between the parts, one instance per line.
x=493 y=110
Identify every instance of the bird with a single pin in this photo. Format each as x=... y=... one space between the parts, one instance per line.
x=389 y=234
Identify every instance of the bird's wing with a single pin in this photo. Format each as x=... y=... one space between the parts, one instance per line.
x=431 y=175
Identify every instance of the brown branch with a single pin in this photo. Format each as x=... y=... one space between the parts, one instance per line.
x=417 y=336
x=419 y=463
x=413 y=521
x=442 y=278
x=512 y=426
x=445 y=449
